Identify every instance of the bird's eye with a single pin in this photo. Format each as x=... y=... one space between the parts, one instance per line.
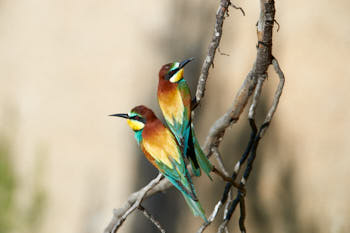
x=171 y=73
x=138 y=118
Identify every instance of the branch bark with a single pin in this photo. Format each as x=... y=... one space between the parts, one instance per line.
x=214 y=44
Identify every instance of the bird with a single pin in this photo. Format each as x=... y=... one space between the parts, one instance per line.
x=162 y=150
x=174 y=98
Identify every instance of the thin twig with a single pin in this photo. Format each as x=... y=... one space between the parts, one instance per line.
x=218 y=129
x=216 y=210
x=222 y=53
x=218 y=158
x=134 y=200
x=251 y=115
x=243 y=214
x=237 y=167
x=228 y=179
x=151 y=218
x=258 y=137
x=277 y=95
x=278 y=25
x=228 y=202
x=238 y=8
x=226 y=229
x=257 y=93
x=211 y=217
x=214 y=44
x=222 y=226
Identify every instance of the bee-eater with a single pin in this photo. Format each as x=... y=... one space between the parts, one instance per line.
x=174 y=99
x=161 y=149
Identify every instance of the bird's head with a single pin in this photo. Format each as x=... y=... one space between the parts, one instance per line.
x=137 y=117
x=173 y=72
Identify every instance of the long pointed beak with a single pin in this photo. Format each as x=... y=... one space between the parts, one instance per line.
x=123 y=115
x=185 y=62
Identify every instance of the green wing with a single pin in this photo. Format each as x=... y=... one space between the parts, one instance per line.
x=165 y=155
x=192 y=149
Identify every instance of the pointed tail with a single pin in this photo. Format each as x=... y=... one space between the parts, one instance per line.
x=203 y=161
x=190 y=152
x=196 y=207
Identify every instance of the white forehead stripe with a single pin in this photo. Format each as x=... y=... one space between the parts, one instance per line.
x=176 y=65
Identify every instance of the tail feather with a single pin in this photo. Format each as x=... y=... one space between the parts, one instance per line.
x=196 y=207
x=203 y=161
x=196 y=170
x=191 y=153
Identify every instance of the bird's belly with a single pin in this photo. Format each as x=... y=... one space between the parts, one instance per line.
x=172 y=107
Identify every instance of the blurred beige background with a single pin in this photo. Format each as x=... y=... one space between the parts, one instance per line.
x=67 y=64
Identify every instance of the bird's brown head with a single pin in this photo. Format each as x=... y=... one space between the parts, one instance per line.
x=137 y=117
x=173 y=72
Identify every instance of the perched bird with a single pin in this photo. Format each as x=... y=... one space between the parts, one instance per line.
x=174 y=99
x=161 y=149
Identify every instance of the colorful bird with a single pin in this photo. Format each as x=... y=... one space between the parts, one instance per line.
x=174 y=99
x=161 y=149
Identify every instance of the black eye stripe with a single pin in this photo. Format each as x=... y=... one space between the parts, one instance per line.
x=137 y=118
x=171 y=73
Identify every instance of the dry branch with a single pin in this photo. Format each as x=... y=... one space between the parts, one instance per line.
x=254 y=79
x=133 y=202
x=151 y=218
x=214 y=44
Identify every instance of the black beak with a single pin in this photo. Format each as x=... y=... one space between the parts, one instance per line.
x=185 y=62
x=123 y=115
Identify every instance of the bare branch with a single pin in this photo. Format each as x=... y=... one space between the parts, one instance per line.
x=243 y=214
x=277 y=95
x=257 y=93
x=222 y=53
x=214 y=44
x=228 y=202
x=263 y=60
x=223 y=226
x=218 y=158
x=278 y=25
x=133 y=202
x=211 y=217
x=228 y=179
x=218 y=129
x=238 y=8
x=262 y=129
x=151 y=218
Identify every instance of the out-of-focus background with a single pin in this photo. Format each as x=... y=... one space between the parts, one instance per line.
x=67 y=64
